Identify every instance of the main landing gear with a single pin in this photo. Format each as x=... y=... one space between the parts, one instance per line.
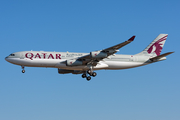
x=91 y=73
x=23 y=71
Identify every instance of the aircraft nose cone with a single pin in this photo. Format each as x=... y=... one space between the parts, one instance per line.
x=6 y=58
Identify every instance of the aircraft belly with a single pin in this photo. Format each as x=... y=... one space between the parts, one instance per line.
x=122 y=65
x=63 y=66
x=100 y=65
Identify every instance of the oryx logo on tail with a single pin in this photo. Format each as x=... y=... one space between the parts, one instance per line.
x=157 y=46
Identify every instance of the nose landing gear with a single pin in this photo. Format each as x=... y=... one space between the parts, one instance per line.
x=23 y=71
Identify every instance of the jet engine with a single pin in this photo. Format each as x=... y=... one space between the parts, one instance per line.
x=73 y=62
x=98 y=54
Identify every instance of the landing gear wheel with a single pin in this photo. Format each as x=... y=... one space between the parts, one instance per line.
x=89 y=71
x=94 y=74
x=88 y=78
x=23 y=71
x=83 y=75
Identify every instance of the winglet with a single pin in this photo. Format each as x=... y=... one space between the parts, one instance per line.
x=132 y=38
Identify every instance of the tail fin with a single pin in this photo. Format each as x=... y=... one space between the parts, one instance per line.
x=155 y=48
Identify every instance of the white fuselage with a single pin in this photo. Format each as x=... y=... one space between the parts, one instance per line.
x=58 y=60
x=86 y=63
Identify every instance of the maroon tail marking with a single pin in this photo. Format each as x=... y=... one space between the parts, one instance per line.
x=157 y=44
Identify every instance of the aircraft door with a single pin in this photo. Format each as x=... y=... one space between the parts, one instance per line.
x=131 y=58
x=21 y=55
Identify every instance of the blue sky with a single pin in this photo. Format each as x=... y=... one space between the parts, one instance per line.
x=144 y=93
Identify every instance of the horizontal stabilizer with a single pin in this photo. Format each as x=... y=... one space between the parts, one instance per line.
x=160 y=56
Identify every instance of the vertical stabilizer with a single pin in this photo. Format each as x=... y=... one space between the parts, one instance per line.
x=155 y=48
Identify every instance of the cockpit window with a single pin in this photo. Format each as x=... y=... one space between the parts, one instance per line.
x=12 y=55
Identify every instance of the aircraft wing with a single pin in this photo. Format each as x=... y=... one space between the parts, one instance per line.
x=114 y=49
x=96 y=56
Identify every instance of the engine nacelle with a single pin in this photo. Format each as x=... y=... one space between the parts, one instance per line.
x=98 y=54
x=64 y=71
x=73 y=62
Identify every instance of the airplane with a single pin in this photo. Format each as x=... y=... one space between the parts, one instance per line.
x=87 y=63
